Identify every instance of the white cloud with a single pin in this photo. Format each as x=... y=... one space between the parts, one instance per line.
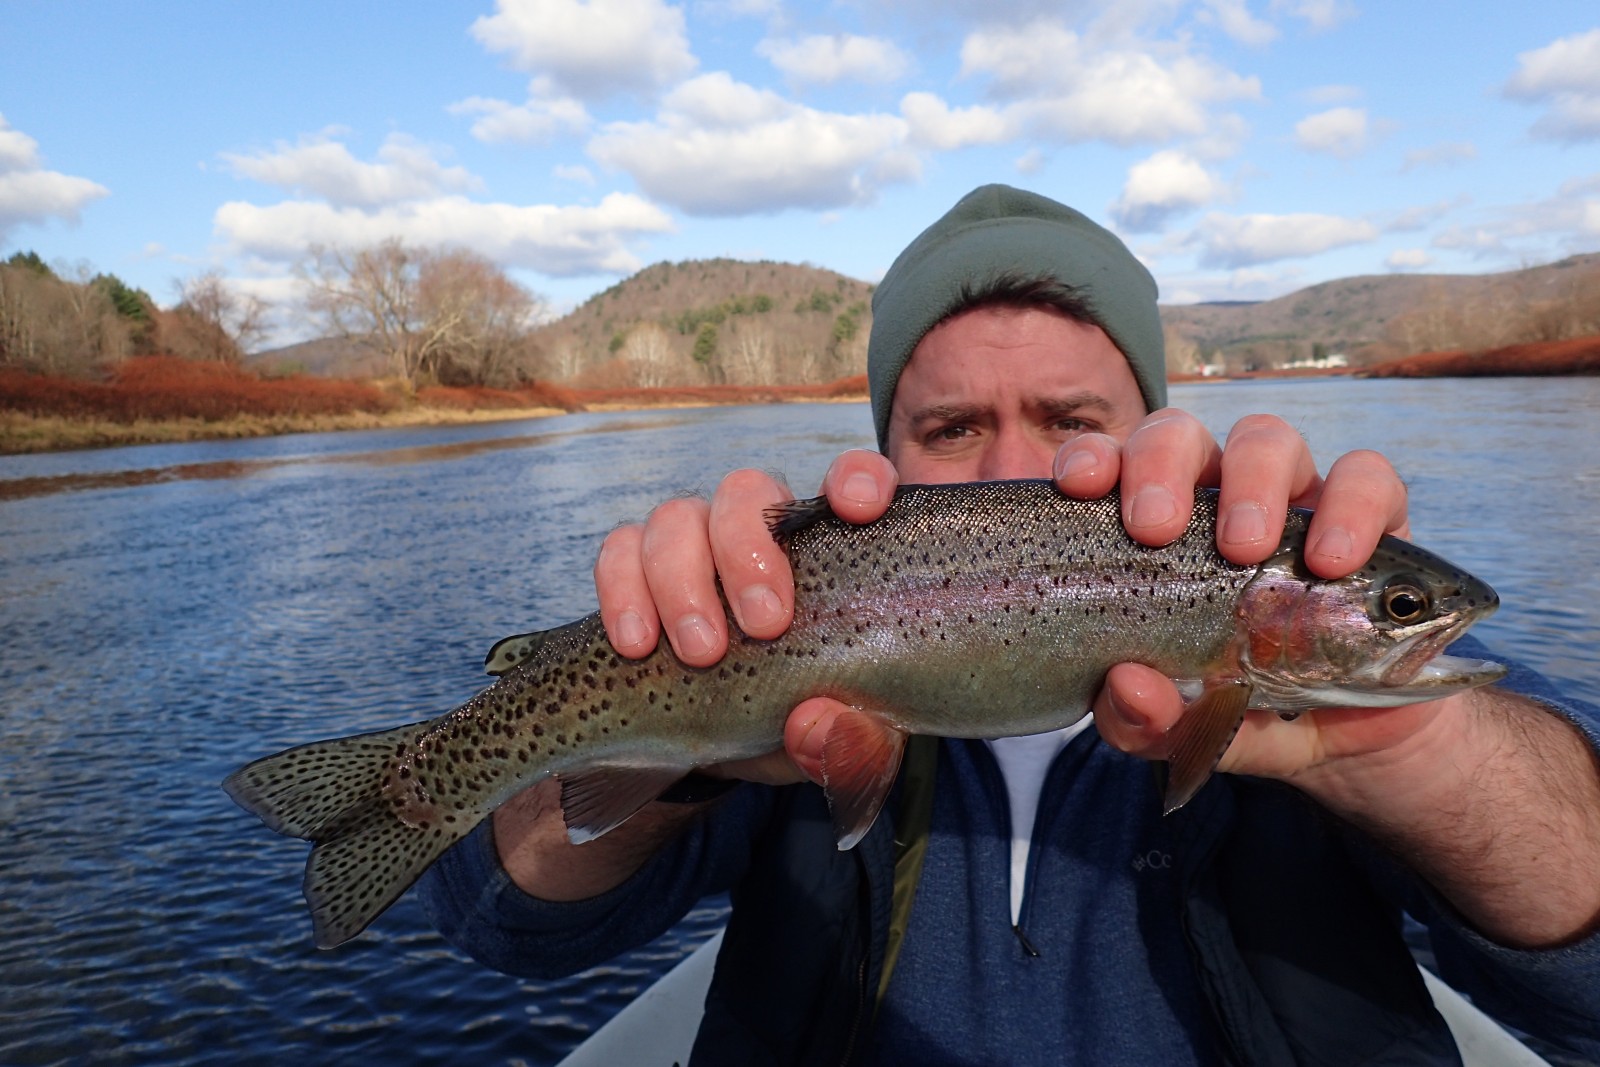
x=1235 y=20
x=1246 y=240
x=1565 y=75
x=31 y=194
x=1408 y=259
x=1320 y=14
x=823 y=59
x=719 y=147
x=1479 y=241
x=1444 y=154
x=1570 y=64
x=1420 y=218
x=1167 y=183
x=1031 y=162
x=1569 y=219
x=545 y=115
x=1333 y=94
x=18 y=151
x=591 y=49
x=1339 y=131
x=558 y=241
x=1064 y=88
x=574 y=173
x=323 y=167
x=935 y=124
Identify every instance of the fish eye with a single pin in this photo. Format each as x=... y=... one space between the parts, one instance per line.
x=1405 y=602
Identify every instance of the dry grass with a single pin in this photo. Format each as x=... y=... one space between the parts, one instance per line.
x=160 y=399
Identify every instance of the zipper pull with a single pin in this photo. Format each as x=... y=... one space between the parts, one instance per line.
x=1027 y=946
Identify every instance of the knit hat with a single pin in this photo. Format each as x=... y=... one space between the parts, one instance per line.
x=996 y=231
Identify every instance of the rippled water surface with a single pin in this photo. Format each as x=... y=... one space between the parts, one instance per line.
x=169 y=612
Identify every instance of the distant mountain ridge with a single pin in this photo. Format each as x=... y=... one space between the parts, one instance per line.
x=745 y=322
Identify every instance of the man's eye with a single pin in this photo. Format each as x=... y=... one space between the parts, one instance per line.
x=951 y=433
x=1073 y=426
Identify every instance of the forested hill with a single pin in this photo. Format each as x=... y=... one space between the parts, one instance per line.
x=737 y=322
x=1371 y=318
x=713 y=320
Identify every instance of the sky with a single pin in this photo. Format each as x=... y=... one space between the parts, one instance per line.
x=1243 y=148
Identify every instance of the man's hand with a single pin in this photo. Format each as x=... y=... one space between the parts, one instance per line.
x=660 y=577
x=1263 y=469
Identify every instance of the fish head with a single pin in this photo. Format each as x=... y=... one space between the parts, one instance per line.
x=1372 y=639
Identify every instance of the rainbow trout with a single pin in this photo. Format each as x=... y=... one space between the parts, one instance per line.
x=975 y=610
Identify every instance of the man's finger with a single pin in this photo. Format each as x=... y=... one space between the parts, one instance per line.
x=1361 y=500
x=683 y=582
x=755 y=572
x=625 y=605
x=859 y=485
x=1163 y=460
x=1265 y=464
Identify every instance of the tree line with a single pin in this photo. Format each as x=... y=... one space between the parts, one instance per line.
x=73 y=322
x=433 y=315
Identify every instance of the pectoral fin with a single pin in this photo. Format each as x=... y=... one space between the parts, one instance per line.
x=860 y=758
x=1197 y=741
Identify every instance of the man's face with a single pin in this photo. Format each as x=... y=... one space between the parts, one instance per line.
x=994 y=392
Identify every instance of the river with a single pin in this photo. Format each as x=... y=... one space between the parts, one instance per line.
x=169 y=612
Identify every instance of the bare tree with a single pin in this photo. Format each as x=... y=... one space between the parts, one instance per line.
x=479 y=314
x=1183 y=355
x=58 y=326
x=648 y=350
x=752 y=355
x=223 y=324
x=428 y=312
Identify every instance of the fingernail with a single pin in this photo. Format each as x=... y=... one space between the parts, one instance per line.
x=631 y=629
x=1335 y=544
x=1245 y=524
x=1130 y=715
x=861 y=488
x=1152 y=506
x=811 y=743
x=1075 y=463
x=696 y=638
x=759 y=607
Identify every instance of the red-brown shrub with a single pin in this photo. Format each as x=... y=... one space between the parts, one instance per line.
x=163 y=387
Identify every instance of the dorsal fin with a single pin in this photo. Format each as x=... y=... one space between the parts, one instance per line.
x=786 y=520
x=511 y=652
x=507 y=652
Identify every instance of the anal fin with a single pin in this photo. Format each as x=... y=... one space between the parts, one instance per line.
x=1197 y=741
x=860 y=758
x=594 y=802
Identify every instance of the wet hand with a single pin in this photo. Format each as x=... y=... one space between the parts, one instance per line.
x=661 y=577
x=1262 y=469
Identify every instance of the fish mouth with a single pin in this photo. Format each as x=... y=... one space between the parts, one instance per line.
x=1417 y=668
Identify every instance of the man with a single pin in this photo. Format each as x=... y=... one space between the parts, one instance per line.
x=1034 y=906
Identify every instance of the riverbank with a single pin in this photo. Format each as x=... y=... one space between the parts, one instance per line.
x=158 y=400
x=1576 y=355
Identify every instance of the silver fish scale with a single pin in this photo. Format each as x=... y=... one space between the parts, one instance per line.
x=976 y=610
x=989 y=609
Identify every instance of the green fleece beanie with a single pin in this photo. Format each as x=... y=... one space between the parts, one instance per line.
x=997 y=231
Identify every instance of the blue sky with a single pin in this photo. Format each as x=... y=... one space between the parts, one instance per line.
x=1244 y=148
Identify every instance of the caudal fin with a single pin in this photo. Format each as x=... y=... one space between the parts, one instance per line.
x=331 y=793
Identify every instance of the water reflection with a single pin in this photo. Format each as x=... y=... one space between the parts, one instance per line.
x=43 y=485
x=157 y=631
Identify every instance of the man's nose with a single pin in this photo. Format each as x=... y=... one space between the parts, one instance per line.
x=1013 y=453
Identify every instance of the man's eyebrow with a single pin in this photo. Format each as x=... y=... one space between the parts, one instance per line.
x=1066 y=405
x=948 y=412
